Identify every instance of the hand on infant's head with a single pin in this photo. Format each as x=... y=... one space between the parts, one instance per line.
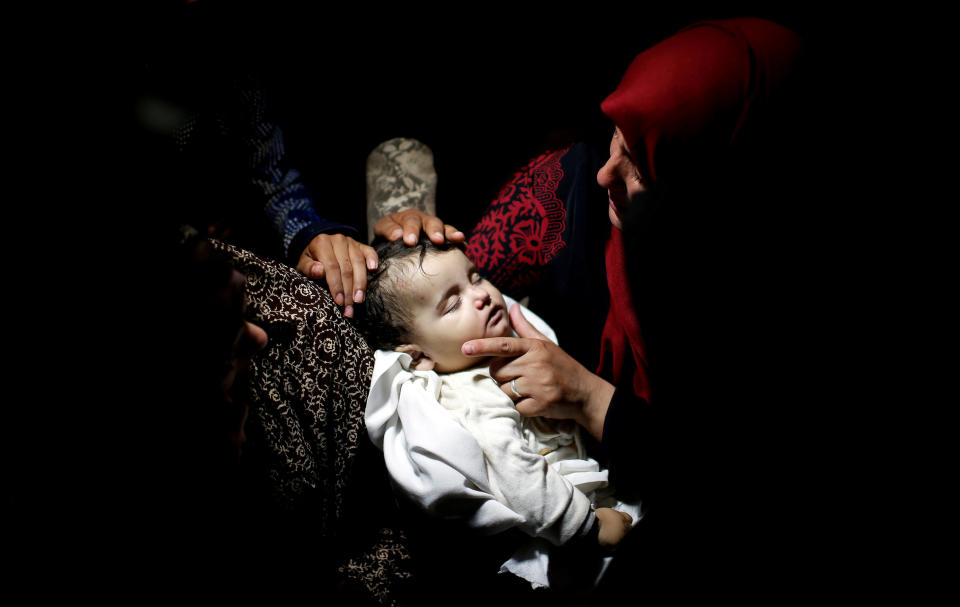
x=409 y=222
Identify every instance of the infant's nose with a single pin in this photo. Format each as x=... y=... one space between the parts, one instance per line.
x=482 y=299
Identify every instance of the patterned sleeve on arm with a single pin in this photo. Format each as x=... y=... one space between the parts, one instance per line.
x=290 y=205
x=523 y=228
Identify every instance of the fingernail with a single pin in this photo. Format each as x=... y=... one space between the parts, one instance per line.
x=348 y=311
x=410 y=239
x=371 y=264
x=317 y=269
x=358 y=296
x=396 y=233
x=338 y=298
x=458 y=233
x=468 y=348
x=438 y=235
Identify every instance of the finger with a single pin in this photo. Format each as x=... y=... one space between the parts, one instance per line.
x=388 y=227
x=310 y=267
x=500 y=369
x=433 y=228
x=342 y=252
x=498 y=346
x=505 y=368
x=411 y=228
x=521 y=326
x=331 y=267
x=315 y=268
x=370 y=254
x=359 y=262
x=527 y=407
x=514 y=388
x=453 y=234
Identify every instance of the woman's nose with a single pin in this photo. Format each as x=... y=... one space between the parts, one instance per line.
x=607 y=176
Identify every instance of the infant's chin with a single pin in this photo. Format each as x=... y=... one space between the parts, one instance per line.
x=461 y=365
x=501 y=324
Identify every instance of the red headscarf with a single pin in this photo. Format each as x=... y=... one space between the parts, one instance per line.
x=695 y=91
x=679 y=102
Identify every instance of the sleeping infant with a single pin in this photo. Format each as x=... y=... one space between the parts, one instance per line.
x=450 y=434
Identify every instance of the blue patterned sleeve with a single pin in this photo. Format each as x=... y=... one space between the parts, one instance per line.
x=290 y=206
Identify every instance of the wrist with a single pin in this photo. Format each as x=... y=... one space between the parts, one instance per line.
x=595 y=404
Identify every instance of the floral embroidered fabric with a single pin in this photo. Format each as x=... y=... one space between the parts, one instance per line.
x=522 y=230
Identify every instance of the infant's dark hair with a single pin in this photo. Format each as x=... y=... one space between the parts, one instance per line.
x=382 y=318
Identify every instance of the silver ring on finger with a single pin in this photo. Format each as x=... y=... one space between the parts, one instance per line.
x=513 y=387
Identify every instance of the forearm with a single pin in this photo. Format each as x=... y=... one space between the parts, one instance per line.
x=597 y=394
x=288 y=204
x=552 y=507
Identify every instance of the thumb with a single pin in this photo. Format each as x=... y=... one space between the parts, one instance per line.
x=521 y=326
x=310 y=267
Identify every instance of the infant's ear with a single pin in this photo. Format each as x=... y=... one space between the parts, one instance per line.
x=421 y=362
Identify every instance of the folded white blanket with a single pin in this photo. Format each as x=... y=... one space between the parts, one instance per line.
x=440 y=465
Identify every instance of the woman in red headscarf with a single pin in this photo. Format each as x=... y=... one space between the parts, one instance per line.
x=675 y=250
x=658 y=263
x=660 y=258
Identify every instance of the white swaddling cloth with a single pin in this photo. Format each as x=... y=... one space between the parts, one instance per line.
x=476 y=458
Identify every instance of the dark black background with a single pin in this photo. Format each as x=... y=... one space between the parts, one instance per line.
x=486 y=86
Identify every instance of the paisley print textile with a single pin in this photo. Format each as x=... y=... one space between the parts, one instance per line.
x=307 y=405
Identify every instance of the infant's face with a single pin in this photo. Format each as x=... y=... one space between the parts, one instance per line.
x=451 y=304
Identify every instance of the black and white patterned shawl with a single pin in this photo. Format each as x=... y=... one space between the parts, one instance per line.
x=306 y=425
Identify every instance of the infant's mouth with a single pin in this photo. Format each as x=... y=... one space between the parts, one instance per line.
x=496 y=313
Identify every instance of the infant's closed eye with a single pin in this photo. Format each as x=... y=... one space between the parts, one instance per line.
x=453 y=306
